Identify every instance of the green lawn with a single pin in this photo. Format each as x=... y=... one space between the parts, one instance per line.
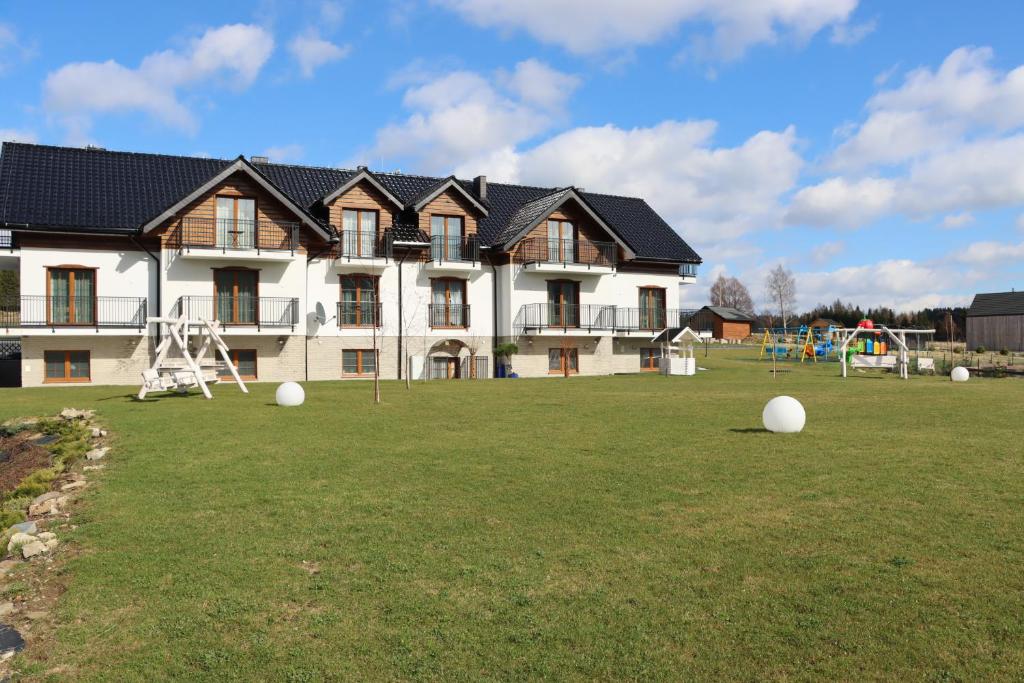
x=597 y=528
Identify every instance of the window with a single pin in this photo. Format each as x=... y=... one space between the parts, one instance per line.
x=650 y=358
x=244 y=361
x=563 y=303
x=558 y=359
x=66 y=366
x=358 y=362
x=71 y=296
x=446 y=238
x=236 y=222
x=235 y=290
x=561 y=242
x=447 y=303
x=652 y=308
x=359 y=301
x=358 y=232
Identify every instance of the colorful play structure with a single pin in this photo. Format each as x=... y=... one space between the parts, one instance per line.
x=862 y=347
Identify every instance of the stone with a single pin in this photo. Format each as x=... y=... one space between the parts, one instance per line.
x=52 y=543
x=49 y=495
x=32 y=549
x=92 y=468
x=6 y=608
x=46 y=536
x=97 y=453
x=37 y=614
x=24 y=527
x=97 y=432
x=49 y=506
x=74 y=485
x=20 y=539
x=75 y=414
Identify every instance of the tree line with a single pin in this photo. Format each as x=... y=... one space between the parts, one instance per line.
x=780 y=308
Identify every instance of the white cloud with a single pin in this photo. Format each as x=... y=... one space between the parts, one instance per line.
x=284 y=153
x=986 y=253
x=901 y=284
x=851 y=34
x=78 y=91
x=12 y=48
x=311 y=52
x=16 y=135
x=331 y=13
x=462 y=115
x=1020 y=222
x=596 y=26
x=826 y=251
x=955 y=221
x=842 y=203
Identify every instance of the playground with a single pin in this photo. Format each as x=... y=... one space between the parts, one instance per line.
x=654 y=531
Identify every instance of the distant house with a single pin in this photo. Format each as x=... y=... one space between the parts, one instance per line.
x=728 y=324
x=824 y=323
x=996 y=321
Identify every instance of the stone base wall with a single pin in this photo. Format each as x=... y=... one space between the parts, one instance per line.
x=275 y=361
x=597 y=355
x=112 y=359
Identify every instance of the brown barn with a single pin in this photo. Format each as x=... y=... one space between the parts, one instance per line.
x=722 y=322
x=824 y=323
x=996 y=321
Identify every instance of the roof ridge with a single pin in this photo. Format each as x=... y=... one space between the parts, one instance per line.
x=104 y=150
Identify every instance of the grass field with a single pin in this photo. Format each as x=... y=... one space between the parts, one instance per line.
x=597 y=528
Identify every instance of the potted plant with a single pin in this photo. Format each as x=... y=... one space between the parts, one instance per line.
x=505 y=351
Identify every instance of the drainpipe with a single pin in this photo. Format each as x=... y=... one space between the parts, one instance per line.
x=159 y=274
x=401 y=320
x=305 y=345
x=494 y=313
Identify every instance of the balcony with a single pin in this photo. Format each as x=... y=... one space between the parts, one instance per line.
x=688 y=273
x=9 y=252
x=215 y=238
x=548 y=255
x=454 y=254
x=586 y=319
x=362 y=251
x=442 y=316
x=240 y=311
x=359 y=314
x=73 y=312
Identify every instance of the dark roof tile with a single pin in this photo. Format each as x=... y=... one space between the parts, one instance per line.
x=997 y=303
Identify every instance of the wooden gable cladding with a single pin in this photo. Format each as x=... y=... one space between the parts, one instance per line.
x=587 y=229
x=449 y=203
x=363 y=196
x=275 y=218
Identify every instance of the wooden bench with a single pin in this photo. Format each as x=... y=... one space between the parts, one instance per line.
x=875 y=362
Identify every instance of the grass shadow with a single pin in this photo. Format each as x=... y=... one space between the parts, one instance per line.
x=749 y=430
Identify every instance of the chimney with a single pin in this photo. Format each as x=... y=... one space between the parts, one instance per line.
x=360 y=168
x=480 y=186
x=259 y=160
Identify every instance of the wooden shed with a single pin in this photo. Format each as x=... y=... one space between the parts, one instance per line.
x=728 y=324
x=996 y=321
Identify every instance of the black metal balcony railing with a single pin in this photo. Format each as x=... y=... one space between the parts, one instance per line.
x=688 y=270
x=354 y=244
x=63 y=311
x=553 y=316
x=225 y=234
x=448 y=315
x=242 y=310
x=566 y=251
x=6 y=239
x=454 y=248
x=359 y=314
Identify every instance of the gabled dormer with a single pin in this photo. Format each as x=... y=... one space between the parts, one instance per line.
x=448 y=213
x=362 y=212
x=238 y=213
x=561 y=232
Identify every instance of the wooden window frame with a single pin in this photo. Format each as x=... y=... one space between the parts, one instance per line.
x=233 y=357
x=359 y=292
x=67 y=378
x=71 y=296
x=359 y=229
x=448 y=301
x=446 y=235
x=234 y=218
x=647 y=355
x=664 y=299
x=563 y=355
x=575 y=302
x=359 y=362
x=234 y=295
x=574 y=235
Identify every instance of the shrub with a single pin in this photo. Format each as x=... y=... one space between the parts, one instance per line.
x=980 y=349
x=36 y=483
x=1004 y=351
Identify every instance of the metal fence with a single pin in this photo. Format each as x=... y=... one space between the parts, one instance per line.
x=454 y=248
x=63 y=311
x=232 y=311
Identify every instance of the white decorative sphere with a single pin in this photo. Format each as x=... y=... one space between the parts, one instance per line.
x=959 y=374
x=290 y=394
x=783 y=414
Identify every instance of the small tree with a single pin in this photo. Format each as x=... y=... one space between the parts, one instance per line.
x=780 y=290
x=506 y=350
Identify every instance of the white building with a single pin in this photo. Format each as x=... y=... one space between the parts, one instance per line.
x=308 y=270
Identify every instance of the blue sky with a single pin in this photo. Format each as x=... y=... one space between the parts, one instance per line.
x=872 y=147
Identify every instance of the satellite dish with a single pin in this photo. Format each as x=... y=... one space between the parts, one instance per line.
x=321 y=314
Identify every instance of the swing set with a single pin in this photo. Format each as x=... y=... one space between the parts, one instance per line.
x=180 y=375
